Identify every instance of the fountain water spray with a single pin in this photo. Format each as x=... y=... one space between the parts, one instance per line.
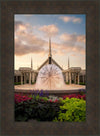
x=50 y=77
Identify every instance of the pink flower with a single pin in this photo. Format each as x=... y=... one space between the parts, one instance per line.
x=74 y=96
x=56 y=100
x=50 y=100
x=20 y=98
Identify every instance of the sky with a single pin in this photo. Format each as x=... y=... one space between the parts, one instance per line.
x=31 y=39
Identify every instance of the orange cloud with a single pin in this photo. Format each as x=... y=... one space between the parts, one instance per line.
x=27 y=42
x=68 y=37
x=70 y=19
x=22 y=27
x=73 y=55
x=73 y=37
x=76 y=20
x=81 y=38
x=50 y=30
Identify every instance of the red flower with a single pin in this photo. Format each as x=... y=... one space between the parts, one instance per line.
x=20 y=98
x=74 y=96
x=56 y=100
x=50 y=100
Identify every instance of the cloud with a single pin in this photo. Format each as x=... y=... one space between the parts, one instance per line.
x=76 y=20
x=49 y=30
x=81 y=38
x=68 y=37
x=22 y=27
x=70 y=19
x=26 y=41
x=73 y=43
x=73 y=38
x=73 y=55
x=17 y=25
x=22 y=48
x=67 y=47
x=72 y=49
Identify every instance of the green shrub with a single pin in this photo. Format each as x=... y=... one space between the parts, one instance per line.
x=37 y=97
x=42 y=109
x=72 y=110
x=36 y=109
x=17 y=83
x=33 y=82
x=81 y=83
x=46 y=111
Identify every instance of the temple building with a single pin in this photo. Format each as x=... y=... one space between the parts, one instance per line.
x=72 y=75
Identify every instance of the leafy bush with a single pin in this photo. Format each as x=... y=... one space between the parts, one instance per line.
x=49 y=109
x=81 y=83
x=37 y=97
x=72 y=110
x=17 y=83
x=46 y=111
x=39 y=109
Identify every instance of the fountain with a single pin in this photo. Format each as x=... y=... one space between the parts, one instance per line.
x=50 y=78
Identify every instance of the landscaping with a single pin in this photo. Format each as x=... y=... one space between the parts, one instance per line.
x=17 y=83
x=44 y=107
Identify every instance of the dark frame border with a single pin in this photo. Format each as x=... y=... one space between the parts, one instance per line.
x=8 y=9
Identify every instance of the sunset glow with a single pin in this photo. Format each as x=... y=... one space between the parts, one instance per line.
x=68 y=39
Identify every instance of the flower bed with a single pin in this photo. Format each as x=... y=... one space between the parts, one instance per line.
x=50 y=108
x=21 y=98
x=75 y=96
x=39 y=108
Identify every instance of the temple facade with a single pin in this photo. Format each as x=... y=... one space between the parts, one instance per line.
x=72 y=75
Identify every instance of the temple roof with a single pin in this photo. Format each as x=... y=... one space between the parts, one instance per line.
x=52 y=62
x=82 y=72
x=17 y=72
x=25 y=69
x=74 y=69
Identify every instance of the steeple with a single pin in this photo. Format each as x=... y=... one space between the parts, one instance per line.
x=50 y=56
x=50 y=47
x=31 y=63
x=68 y=63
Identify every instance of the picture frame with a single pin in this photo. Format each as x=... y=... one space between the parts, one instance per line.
x=8 y=125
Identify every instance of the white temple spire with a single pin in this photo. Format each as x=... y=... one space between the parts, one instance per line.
x=50 y=55
x=68 y=63
x=31 y=63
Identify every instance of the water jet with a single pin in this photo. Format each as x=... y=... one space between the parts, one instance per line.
x=50 y=77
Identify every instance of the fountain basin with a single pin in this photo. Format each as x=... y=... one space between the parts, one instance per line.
x=28 y=89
